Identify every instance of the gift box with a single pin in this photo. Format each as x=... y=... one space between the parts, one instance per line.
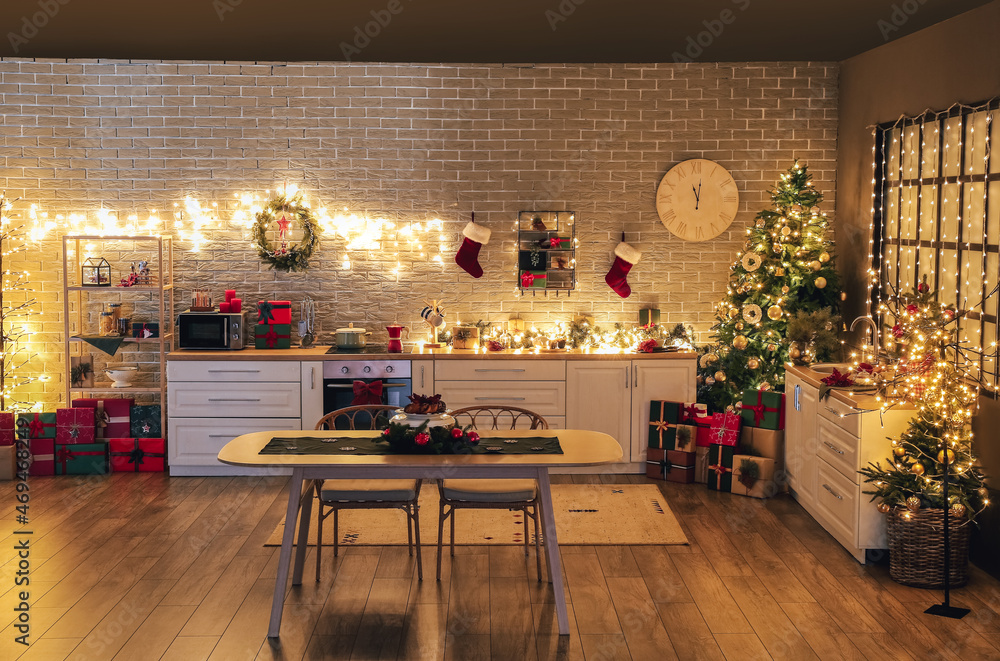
x=145 y=329
x=767 y=443
x=701 y=465
x=720 y=467
x=111 y=416
x=273 y=336
x=753 y=476
x=81 y=458
x=725 y=429
x=649 y=317
x=670 y=465
x=663 y=419
x=8 y=462
x=138 y=455
x=764 y=409
x=7 y=426
x=697 y=416
x=75 y=426
x=36 y=425
x=274 y=312
x=43 y=456
x=533 y=279
x=145 y=422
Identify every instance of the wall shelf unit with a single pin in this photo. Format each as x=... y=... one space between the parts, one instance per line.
x=81 y=308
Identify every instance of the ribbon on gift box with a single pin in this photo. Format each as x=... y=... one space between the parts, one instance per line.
x=662 y=426
x=759 y=410
x=367 y=393
x=265 y=311
x=136 y=455
x=64 y=454
x=663 y=464
x=271 y=338
x=35 y=428
x=725 y=428
x=527 y=279
x=719 y=469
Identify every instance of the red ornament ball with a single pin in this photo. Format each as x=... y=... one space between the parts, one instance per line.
x=912 y=309
x=949 y=314
x=456 y=432
x=385 y=432
x=897 y=331
x=922 y=287
x=473 y=437
x=423 y=438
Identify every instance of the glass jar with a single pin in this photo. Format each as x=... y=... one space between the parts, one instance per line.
x=115 y=309
x=107 y=324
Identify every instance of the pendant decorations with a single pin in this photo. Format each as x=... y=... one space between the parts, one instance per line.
x=288 y=212
x=752 y=313
x=752 y=261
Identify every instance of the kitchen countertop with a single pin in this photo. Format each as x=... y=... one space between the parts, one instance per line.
x=863 y=400
x=319 y=353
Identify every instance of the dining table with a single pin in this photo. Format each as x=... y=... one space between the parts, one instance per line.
x=579 y=448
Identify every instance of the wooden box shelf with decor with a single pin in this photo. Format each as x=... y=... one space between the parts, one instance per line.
x=156 y=289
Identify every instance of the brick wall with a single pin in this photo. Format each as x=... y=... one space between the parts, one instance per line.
x=414 y=142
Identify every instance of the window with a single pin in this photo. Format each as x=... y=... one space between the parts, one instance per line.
x=936 y=213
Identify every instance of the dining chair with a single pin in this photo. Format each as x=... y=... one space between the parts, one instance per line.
x=336 y=495
x=516 y=495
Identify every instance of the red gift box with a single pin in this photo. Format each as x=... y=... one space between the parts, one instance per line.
x=75 y=426
x=43 y=456
x=111 y=417
x=725 y=429
x=138 y=455
x=6 y=428
x=274 y=312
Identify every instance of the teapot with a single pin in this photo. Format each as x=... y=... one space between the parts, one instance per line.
x=395 y=337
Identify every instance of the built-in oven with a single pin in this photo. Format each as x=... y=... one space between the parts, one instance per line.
x=391 y=379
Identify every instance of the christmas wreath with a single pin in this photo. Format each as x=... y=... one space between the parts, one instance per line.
x=404 y=439
x=285 y=210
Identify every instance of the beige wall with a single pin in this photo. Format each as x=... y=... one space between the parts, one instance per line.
x=416 y=142
x=957 y=61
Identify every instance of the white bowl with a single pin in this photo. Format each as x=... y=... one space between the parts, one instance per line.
x=122 y=376
x=417 y=419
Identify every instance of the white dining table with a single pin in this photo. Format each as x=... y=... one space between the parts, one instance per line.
x=580 y=448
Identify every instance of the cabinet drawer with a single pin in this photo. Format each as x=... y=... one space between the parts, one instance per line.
x=251 y=400
x=197 y=441
x=841 y=415
x=838 y=448
x=543 y=397
x=499 y=370
x=837 y=501
x=233 y=370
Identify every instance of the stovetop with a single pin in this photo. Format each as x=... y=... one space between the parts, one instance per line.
x=366 y=350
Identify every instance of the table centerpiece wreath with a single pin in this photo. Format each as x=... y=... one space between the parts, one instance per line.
x=404 y=439
x=286 y=209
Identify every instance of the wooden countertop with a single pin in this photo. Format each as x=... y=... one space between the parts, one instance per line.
x=862 y=400
x=319 y=353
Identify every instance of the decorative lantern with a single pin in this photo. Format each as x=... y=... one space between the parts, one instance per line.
x=96 y=272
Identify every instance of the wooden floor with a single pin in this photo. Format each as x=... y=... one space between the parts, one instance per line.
x=141 y=566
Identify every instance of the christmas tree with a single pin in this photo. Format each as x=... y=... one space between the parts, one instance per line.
x=933 y=371
x=16 y=304
x=786 y=266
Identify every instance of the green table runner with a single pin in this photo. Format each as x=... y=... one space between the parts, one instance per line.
x=300 y=445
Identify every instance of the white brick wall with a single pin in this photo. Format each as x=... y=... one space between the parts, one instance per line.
x=416 y=142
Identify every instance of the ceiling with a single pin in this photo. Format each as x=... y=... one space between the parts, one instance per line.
x=464 y=30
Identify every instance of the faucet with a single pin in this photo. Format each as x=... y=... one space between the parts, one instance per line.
x=874 y=328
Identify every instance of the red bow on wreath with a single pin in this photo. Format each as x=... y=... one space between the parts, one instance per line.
x=367 y=393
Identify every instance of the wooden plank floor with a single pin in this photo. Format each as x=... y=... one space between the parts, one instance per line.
x=148 y=567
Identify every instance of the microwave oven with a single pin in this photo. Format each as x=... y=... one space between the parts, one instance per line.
x=211 y=330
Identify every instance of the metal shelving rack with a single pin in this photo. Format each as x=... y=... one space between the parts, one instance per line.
x=546 y=251
x=162 y=293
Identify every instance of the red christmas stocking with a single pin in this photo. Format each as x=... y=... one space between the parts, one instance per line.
x=625 y=258
x=476 y=236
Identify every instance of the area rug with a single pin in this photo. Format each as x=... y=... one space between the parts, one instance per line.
x=588 y=514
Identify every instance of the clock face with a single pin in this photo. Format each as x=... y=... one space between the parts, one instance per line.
x=697 y=200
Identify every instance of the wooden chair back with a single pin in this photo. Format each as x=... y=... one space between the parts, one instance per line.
x=499 y=417
x=356 y=417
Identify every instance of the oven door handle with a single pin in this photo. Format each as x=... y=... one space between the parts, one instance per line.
x=350 y=386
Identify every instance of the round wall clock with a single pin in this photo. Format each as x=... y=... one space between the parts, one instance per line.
x=697 y=200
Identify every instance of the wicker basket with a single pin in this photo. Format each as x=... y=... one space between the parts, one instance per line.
x=916 y=547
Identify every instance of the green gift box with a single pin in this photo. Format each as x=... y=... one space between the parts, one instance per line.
x=663 y=418
x=82 y=459
x=145 y=421
x=36 y=425
x=720 y=467
x=764 y=409
x=273 y=336
x=649 y=317
x=533 y=279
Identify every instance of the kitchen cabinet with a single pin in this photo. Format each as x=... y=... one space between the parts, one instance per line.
x=538 y=385
x=672 y=381
x=826 y=443
x=311 y=392
x=422 y=372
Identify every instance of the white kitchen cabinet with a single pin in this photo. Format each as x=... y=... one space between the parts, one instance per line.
x=311 y=393
x=668 y=380
x=422 y=372
x=826 y=444
x=599 y=398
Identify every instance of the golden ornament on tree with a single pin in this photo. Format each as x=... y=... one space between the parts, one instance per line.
x=720 y=376
x=733 y=312
x=899 y=452
x=753 y=363
x=740 y=342
x=776 y=247
x=772 y=347
x=958 y=509
x=786 y=230
x=820 y=282
x=784 y=289
x=739 y=325
x=779 y=271
x=774 y=312
x=883 y=507
x=917 y=468
x=752 y=313
x=752 y=261
x=913 y=503
x=794 y=352
x=824 y=257
x=951 y=457
x=815 y=266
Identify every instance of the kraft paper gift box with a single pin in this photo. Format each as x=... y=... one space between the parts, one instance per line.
x=274 y=312
x=138 y=455
x=753 y=476
x=767 y=443
x=725 y=429
x=273 y=336
x=36 y=425
x=145 y=422
x=720 y=467
x=43 y=456
x=111 y=416
x=7 y=428
x=82 y=459
x=8 y=462
x=763 y=409
x=701 y=465
x=75 y=426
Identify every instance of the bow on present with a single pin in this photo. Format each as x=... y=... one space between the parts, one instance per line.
x=101 y=417
x=527 y=279
x=664 y=465
x=693 y=411
x=265 y=312
x=759 y=410
x=271 y=338
x=35 y=427
x=719 y=469
x=367 y=393
x=63 y=455
x=554 y=242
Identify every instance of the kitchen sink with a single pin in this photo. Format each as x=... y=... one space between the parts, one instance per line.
x=827 y=368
